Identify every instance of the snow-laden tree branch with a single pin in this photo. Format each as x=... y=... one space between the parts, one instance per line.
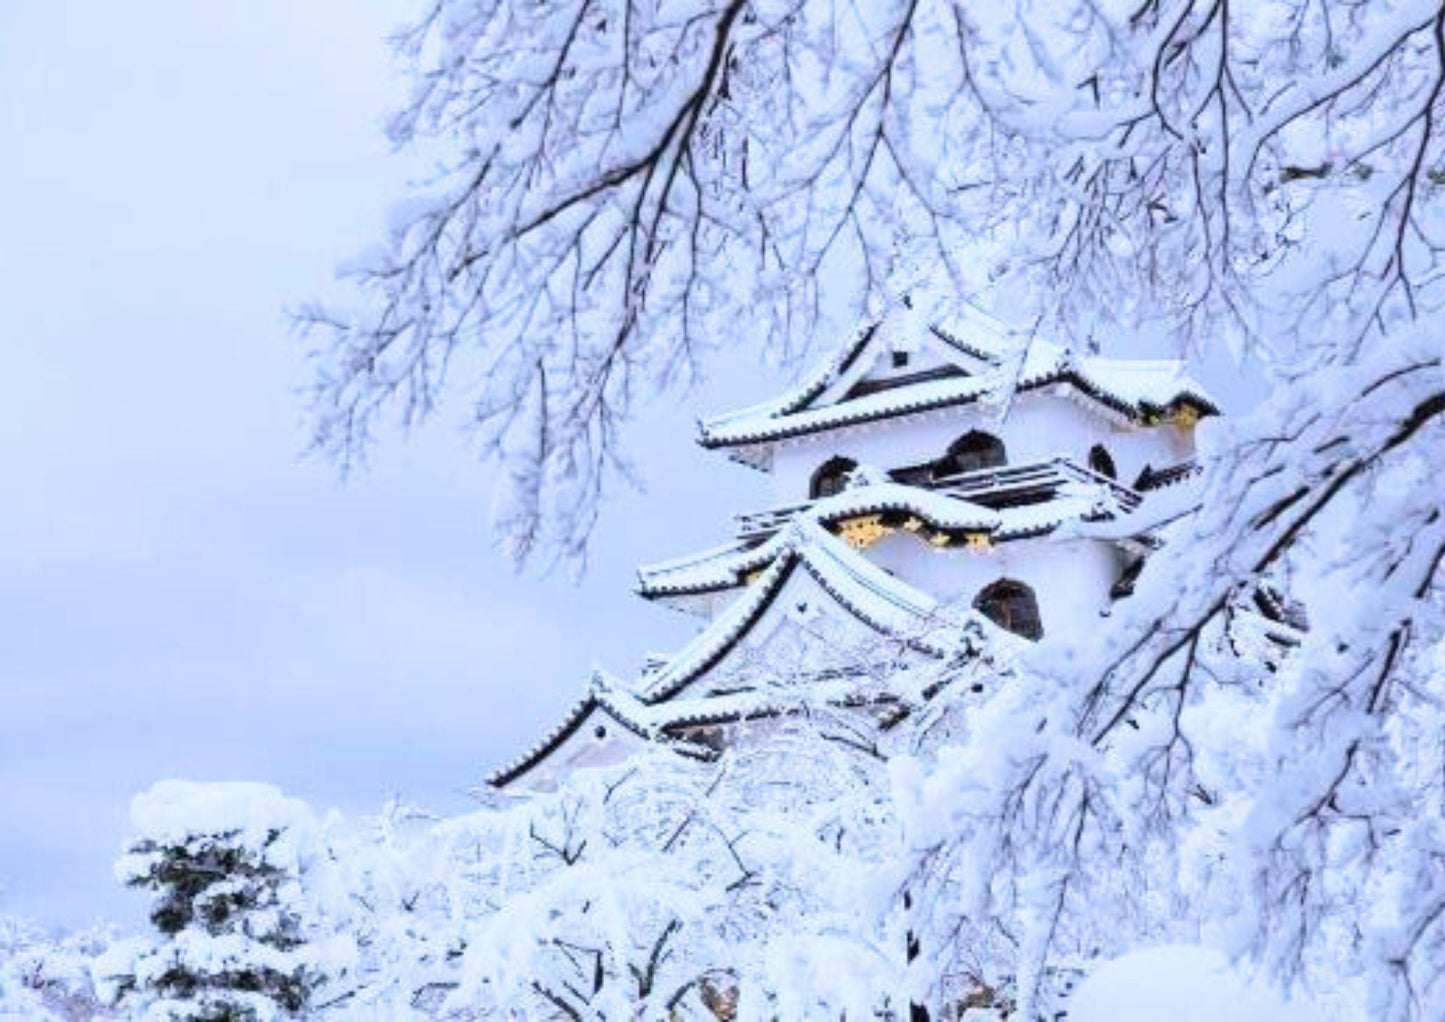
x=1286 y=798
x=629 y=188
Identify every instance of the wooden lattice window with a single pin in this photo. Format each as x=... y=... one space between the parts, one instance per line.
x=831 y=478
x=1102 y=462
x=1011 y=605
x=971 y=452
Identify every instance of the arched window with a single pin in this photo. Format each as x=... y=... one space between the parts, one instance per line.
x=831 y=478
x=971 y=452
x=1101 y=462
x=1011 y=605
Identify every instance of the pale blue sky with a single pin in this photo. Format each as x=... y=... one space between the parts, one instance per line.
x=180 y=594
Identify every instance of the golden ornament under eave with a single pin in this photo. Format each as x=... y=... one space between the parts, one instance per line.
x=863 y=531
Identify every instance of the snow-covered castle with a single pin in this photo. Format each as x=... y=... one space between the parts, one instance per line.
x=936 y=485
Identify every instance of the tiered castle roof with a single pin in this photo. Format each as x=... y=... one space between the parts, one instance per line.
x=818 y=549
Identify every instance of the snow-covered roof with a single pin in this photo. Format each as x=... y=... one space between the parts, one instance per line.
x=720 y=568
x=820 y=378
x=967 y=360
x=725 y=566
x=728 y=566
x=919 y=397
x=601 y=697
x=1038 y=519
x=660 y=722
x=876 y=598
x=865 y=590
x=752 y=702
x=986 y=355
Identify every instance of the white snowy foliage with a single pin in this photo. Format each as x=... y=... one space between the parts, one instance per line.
x=1169 y=777
x=635 y=184
x=769 y=885
x=48 y=979
x=629 y=188
x=655 y=887
x=981 y=855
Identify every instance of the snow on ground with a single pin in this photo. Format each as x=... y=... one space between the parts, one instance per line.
x=1182 y=983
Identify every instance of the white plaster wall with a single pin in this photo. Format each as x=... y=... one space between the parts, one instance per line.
x=921 y=358
x=580 y=750
x=1039 y=426
x=1070 y=578
x=802 y=617
x=703 y=605
x=803 y=628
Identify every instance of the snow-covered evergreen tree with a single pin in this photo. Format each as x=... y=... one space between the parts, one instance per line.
x=239 y=930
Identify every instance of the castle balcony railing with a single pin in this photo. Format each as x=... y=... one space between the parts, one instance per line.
x=1015 y=485
x=999 y=487
x=757 y=524
x=1151 y=479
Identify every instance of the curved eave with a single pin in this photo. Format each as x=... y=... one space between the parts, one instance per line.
x=705 y=651
x=715 y=435
x=802 y=397
x=953 y=340
x=777 y=429
x=711 y=571
x=577 y=716
x=723 y=569
x=729 y=710
x=683 y=591
x=1004 y=534
x=939 y=513
x=861 y=588
x=937 y=510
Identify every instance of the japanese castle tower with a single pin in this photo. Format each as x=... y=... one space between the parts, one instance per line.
x=917 y=514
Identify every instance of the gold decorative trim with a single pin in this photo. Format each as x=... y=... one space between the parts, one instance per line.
x=863 y=531
x=1185 y=416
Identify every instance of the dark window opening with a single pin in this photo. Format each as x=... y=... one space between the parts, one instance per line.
x=832 y=478
x=900 y=359
x=1101 y=461
x=971 y=452
x=601 y=731
x=709 y=737
x=1011 y=606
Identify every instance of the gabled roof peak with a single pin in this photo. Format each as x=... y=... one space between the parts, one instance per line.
x=983 y=357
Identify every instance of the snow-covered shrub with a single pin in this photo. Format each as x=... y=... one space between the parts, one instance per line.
x=21 y=988
x=44 y=979
x=233 y=872
x=974 y=856
x=771 y=884
x=650 y=891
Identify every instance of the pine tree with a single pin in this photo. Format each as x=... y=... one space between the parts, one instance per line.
x=225 y=864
